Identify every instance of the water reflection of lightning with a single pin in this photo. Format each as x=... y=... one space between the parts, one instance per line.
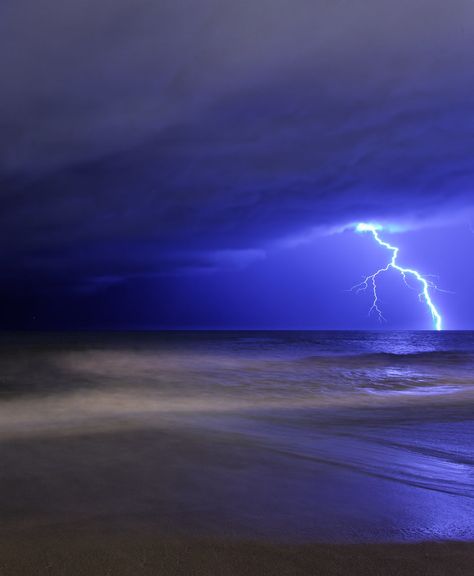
x=424 y=295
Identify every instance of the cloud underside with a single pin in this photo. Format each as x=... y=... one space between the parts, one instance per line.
x=144 y=137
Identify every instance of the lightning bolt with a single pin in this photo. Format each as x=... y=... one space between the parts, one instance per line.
x=424 y=295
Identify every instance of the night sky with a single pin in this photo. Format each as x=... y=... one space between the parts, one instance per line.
x=202 y=163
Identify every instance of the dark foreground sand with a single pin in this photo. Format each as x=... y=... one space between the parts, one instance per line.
x=82 y=552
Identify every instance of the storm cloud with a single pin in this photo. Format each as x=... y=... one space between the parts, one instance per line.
x=145 y=137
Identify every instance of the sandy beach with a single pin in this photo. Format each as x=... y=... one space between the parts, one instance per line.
x=88 y=551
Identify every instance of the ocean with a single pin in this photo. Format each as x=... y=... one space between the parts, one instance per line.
x=294 y=436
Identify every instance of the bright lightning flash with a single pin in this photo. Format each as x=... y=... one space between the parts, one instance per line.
x=424 y=295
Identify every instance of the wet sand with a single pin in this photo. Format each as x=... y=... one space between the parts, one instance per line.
x=87 y=551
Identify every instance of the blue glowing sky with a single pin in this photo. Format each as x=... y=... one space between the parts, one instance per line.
x=202 y=164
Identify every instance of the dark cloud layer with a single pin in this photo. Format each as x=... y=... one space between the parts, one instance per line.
x=141 y=137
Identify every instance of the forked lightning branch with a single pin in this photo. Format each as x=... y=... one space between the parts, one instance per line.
x=371 y=280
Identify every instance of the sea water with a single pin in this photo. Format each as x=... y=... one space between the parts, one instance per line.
x=323 y=436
